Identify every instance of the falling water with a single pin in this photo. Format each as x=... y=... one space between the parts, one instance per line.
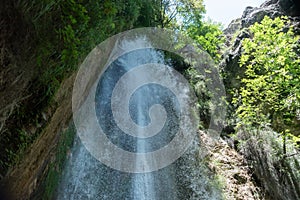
x=143 y=185
x=84 y=177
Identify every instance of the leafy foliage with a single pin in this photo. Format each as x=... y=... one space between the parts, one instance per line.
x=184 y=11
x=62 y=32
x=197 y=81
x=209 y=36
x=75 y=20
x=188 y=16
x=271 y=87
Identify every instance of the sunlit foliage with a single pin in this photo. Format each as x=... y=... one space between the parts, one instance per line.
x=271 y=86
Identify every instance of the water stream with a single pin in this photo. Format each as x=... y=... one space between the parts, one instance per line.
x=143 y=185
x=84 y=177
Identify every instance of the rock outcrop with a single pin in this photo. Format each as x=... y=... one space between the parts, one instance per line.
x=271 y=8
x=24 y=179
x=237 y=31
x=277 y=177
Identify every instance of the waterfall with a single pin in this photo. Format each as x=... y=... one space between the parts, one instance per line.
x=84 y=177
x=143 y=184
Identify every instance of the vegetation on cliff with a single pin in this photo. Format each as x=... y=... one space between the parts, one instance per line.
x=266 y=105
x=270 y=92
x=42 y=42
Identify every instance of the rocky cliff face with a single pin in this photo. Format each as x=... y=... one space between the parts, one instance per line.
x=271 y=8
x=278 y=178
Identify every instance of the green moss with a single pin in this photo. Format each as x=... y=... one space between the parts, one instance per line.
x=55 y=169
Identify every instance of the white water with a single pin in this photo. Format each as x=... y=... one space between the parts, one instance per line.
x=143 y=185
x=86 y=178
